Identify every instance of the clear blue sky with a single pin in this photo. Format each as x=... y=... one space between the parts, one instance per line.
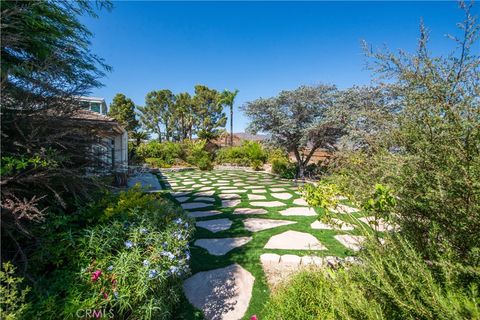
x=259 y=48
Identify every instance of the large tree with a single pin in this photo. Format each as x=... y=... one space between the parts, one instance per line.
x=122 y=109
x=297 y=120
x=227 y=99
x=209 y=113
x=156 y=115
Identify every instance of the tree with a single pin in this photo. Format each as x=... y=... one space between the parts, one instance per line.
x=122 y=109
x=210 y=118
x=297 y=120
x=184 y=113
x=156 y=114
x=46 y=64
x=227 y=99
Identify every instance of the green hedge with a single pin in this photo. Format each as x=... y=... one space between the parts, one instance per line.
x=248 y=154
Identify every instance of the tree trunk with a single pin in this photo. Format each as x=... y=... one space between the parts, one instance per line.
x=231 y=125
x=300 y=164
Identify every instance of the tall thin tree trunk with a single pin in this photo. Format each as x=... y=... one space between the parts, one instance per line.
x=231 y=125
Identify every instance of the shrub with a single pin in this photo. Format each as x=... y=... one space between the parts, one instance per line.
x=244 y=155
x=129 y=261
x=391 y=282
x=12 y=297
x=197 y=155
x=284 y=168
x=157 y=163
x=167 y=151
x=257 y=165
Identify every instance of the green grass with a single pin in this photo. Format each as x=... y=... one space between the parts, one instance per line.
x=248 y=256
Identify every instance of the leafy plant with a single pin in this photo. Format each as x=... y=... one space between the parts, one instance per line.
x=284 y=168
x=12 y=297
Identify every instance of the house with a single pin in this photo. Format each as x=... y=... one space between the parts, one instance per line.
x=112 y=147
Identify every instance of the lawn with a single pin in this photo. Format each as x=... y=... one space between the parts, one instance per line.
x=185 y=186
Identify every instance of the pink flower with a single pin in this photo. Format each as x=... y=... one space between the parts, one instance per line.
x=96 y=275
x=254 y=317
x=105 y=295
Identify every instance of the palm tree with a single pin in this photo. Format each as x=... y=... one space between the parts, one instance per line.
x=227 y=98
x=139 y=136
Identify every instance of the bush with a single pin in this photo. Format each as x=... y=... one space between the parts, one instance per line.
x=168 y=152
x=157 y=163
x=129 y=261
x=391 y=282
x=197 y=155
x=284 y=168
x=12 y=297
x=257 y=165
x=244 y=155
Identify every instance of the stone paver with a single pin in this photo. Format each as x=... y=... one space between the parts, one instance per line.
x=215 y=225
x=351 y=242
x=249 y=211
x=230 y=203
x=256 y=224
x=283 y=195
x=229 y=196
x=268 y=204
x=255 y=197
x=378 y=224
x=221 y=294
x=259 y=191
x=195 y=205
x=336 y=224
x=182 y=199
x=294 y=240
x=205 y=193
x=298 y=211
x=277 y=189
x=221 y=246
x=344 y=209
x=300 y=202
x=204 y=199
x=201 y=214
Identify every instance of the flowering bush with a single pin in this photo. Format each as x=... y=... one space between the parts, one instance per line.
x=129 y=263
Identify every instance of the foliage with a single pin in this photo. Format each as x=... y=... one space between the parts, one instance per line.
x=391 y=282
x=157 y=113
x=323 y=194
x=243 y=155
x=382 y=203
x=130 y=260
x=256 y=165
x=157 y=163
x=284 y=168
x=209 y=112
x=197 y=155
x=122 y=109
x=297 y=120
x=227 y=98
x=167 y=152
x=184 y=116
x=12 y=297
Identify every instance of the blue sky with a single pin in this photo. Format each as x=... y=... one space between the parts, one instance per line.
x=259 y=48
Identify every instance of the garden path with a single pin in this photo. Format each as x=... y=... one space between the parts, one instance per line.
x=253 y=230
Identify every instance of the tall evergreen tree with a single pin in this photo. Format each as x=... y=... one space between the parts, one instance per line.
x=122 y=109
x=210 y=116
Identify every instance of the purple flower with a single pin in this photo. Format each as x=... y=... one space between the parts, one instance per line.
x=115 y=293
x=146 y=263
x=174 y=270
x=152 y=273
x=143 y=231
x=168 y=254
x=128 y=244
x=178 y=221
x=187 y=255
x=110 y=268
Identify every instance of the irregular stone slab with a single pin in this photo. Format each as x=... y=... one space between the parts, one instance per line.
x=206 y=188
x=195 y=205
x=220 y=246
x=205 y=193
x=204 y=199
x=201 y=214
x=234 y=191
x=221 y=294
x=227 y=188
x=219 y=184
x=336 y=224
x=230 y=203
x=229 y=196
x=255 y=197
x=269 y=258
x=277 y=189
x=179 y=193
x=240 y=184
x=351 y=242
x=259 y=191
x=253 y=187
x=283 y=196
x=147 y=181
x=255 y=224
x=268 y=204
x=216 y=225
x=196 y=186
x=312 y=260
x=344 y=209
x=188 y=182
x=294 y=240
x=378 y=224
x=249 y=211
x=182 y=199
x=300 y=202
x=290 y=259
x=298 y=211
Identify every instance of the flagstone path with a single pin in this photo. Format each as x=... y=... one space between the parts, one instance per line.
x=253 y=231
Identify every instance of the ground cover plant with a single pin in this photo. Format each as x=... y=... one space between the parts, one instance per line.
x=124 y=254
